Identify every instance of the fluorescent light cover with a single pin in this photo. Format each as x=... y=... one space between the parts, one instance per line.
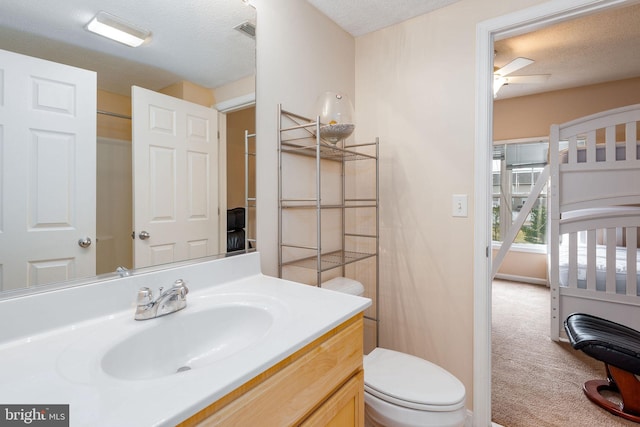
x=115 y=28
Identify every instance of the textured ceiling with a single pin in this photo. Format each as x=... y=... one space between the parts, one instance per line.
x=594 y=49
x=191 y=39
x=359 y=17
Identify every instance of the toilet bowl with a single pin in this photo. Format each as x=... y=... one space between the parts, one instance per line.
x=401 y=390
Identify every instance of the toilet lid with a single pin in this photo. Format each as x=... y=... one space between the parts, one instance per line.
x=411 y=382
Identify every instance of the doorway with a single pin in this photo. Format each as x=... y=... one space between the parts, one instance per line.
x=241 y=178
x=520 y=22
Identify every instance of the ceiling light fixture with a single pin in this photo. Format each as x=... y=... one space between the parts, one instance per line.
x=115 y=28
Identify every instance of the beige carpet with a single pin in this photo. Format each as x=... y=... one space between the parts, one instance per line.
x=537 y=382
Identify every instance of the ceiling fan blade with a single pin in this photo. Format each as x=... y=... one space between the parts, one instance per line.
x=531 y=79
x=498 y=82
x=514 y=65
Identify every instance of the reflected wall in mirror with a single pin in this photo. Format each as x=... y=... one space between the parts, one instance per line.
x=201 y=51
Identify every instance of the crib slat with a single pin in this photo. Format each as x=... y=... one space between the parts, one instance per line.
x=632 y=253
x=573 y=150
x=610 y=141
x=630 y=138
x=611 y=260
x=591 y=146
x=573 y=260
x=591 y=260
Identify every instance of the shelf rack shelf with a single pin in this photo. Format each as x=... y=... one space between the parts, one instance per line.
x=331 y=260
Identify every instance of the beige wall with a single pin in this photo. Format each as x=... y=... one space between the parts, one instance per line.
x=190 y=92
x=531 y=116
x=236 y=89
x=237 y=122
x=300 y=54
x=524 y=266
x=415 y=89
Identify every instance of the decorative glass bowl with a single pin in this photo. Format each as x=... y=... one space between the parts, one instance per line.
x=336 y=117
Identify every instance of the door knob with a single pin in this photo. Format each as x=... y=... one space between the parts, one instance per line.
x=144 y=235
x=84 y=243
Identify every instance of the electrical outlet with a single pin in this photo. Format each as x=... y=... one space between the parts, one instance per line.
x=459 y=202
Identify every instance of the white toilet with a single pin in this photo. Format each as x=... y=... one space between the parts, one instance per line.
x=401 y=390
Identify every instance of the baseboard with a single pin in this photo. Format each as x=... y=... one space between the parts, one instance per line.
x=523 y=279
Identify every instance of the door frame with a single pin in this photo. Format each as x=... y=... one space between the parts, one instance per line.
x=519 y=22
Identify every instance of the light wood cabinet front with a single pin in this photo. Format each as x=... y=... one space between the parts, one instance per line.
x=320 y=385
x=344 y=409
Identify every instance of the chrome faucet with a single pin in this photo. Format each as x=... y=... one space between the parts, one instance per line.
x=169 y=301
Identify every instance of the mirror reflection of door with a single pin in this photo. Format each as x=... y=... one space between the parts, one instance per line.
x=48 y=168
x=175 y=156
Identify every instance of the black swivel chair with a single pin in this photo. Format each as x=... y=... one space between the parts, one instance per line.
x=619 y=348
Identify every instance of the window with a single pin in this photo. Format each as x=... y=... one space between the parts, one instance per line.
x=516 y=167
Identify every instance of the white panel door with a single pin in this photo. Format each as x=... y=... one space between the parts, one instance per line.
x=47 y=171
x=175 y=156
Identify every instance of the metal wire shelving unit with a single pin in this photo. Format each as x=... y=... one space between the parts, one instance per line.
x=250 y=201
x=299 y=136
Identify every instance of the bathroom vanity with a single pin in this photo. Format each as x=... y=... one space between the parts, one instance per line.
x=320 y=385
x=248 y=349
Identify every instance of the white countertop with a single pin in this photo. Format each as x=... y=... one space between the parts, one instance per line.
x=63 y=365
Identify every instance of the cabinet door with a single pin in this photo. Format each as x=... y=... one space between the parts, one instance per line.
x=345 y=408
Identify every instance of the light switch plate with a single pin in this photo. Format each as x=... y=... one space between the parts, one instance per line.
x=459 y=205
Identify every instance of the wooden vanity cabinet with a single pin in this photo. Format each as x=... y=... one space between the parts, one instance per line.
x=320 y=385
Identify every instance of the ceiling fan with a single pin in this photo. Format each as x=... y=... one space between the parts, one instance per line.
x=501 y=75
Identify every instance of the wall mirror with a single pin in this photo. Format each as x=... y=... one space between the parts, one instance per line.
x=196 y=48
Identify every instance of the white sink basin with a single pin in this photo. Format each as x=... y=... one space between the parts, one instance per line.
x=187 y=340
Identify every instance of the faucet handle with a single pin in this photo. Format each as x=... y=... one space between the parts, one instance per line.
x=184 y=290
x=145 y=296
